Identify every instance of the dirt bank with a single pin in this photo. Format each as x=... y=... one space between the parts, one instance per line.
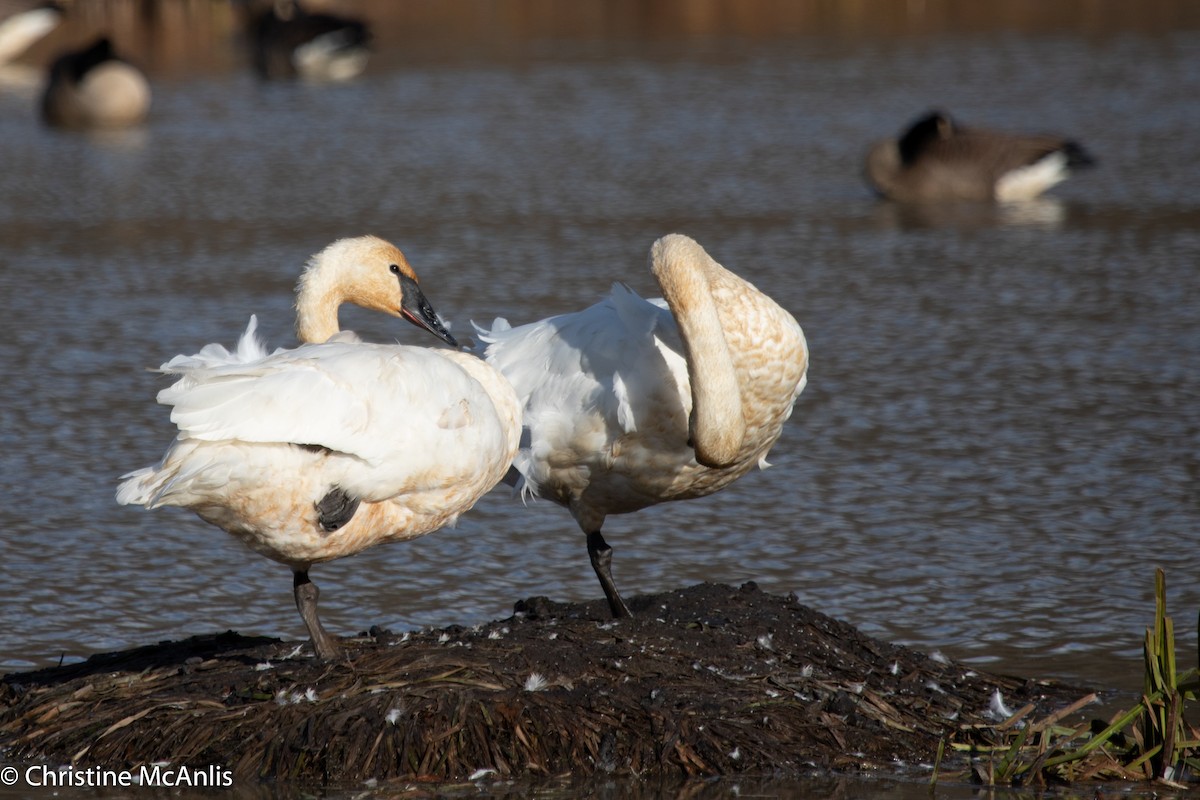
x=707 y=680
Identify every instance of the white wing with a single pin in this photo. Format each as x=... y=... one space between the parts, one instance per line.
x=574 y=359
x=588 y=378
x=401 y=413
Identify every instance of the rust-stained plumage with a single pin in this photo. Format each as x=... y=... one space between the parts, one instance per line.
x=630 y=402
x=316 y=453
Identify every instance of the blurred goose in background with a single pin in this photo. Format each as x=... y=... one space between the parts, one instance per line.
x=319 y=452
x=288 y=41
x=94 y=88
x=19 y=30
x=634 y=402
x=937 y=159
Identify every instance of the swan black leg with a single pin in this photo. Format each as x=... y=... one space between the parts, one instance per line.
x=601 y=555
x=306 y=591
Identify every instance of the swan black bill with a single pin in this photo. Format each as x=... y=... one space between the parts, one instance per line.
x=417 y=310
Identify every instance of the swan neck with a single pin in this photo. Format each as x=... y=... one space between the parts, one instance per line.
x=686 y=275
x=318 y=297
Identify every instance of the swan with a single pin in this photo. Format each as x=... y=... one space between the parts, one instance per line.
x=288 y=41
x=937 y=159
x=94 y=88
x=318 y=452
x=633 y=402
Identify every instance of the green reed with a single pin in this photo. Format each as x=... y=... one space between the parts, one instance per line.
x=1150 y=741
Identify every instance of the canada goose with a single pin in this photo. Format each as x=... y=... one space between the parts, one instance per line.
x=288 y=41
x=95 y=88
x=937 y=159
x=20 y=30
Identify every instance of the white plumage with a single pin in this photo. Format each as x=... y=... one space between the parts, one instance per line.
x=634 y=402
x=321 y=451
x=263 y=440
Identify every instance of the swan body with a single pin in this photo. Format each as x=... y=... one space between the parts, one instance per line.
x=94 y=88
x=937 y=159
x=264 y=436
x=289 y=42
x=324 y=450
x=633 y=402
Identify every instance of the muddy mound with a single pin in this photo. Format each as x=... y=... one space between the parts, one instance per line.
x=707 y=680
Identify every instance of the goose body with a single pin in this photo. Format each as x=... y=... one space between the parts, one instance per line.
x=288 y=42
x=937 y=159
x=20 y=30
x=324 y=450
x=94 y=88
x=633 y=402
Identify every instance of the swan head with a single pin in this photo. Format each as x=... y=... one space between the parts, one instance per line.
x=368 y=272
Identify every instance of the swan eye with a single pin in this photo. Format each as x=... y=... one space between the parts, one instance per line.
x=395 y=268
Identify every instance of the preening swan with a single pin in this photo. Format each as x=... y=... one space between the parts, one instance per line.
x=631 y=402
x=95 y=88
x=937 y=159
x=315 y=453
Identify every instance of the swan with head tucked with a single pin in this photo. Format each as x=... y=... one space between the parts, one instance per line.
x=631 y=402
x=319 y=452
x=936 y=159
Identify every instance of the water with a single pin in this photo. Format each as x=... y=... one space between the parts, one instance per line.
x=998 y=443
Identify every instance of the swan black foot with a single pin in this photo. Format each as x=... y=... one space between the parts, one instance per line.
x=601 y=555
x=335 y=509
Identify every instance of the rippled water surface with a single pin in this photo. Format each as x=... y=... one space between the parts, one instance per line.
x=997 y=446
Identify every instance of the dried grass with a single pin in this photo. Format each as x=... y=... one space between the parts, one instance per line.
x=711 y=680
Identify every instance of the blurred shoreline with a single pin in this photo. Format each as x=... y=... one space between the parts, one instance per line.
x=181 y=37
